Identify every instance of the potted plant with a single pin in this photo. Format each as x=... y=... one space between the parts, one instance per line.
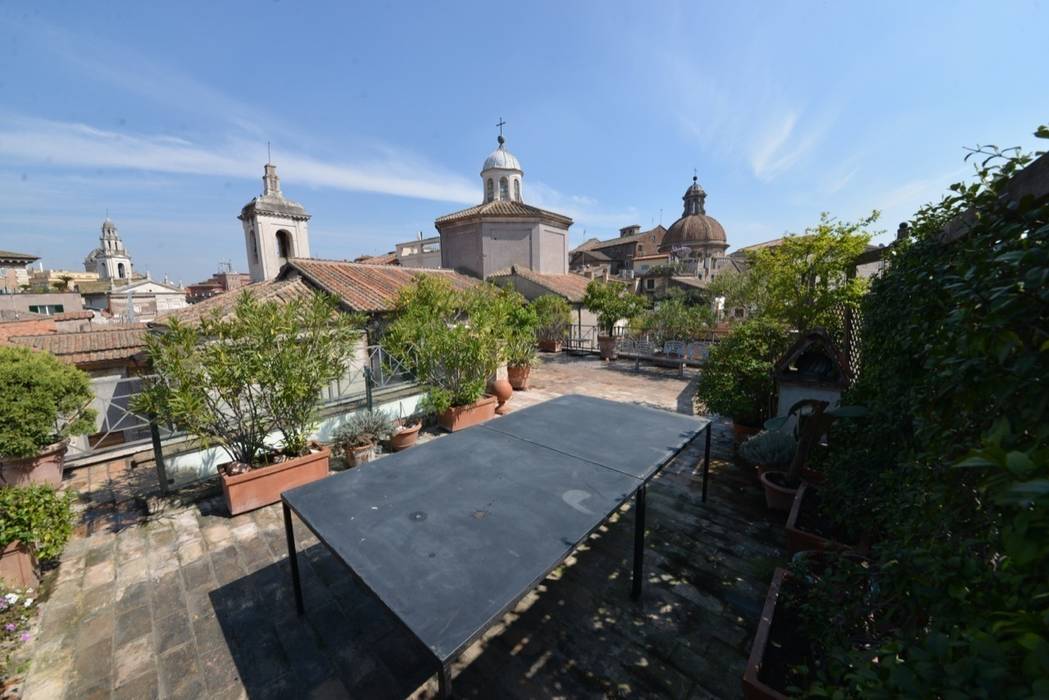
x=406 y=432
x=520 y=347
x=770 y=449
x=250 y=383
x=452 y=341
x=553 y=317
x=36 y=521
x=612 y=302
x=736 y=380
x=45 y=402
x=358 y=436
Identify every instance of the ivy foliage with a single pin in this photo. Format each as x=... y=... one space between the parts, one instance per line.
x=234 y=380
x=949 y=474
x=37 y=516
x=44 y=401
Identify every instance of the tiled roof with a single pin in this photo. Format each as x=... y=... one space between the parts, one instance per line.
x=594 y=244
x=384 y=259
x=364 y=287
x=15 y=316
x=99 y=287
x=83 y=315
x=572 y=287
x=20 y=258
x=595 y=254
x=85 y=347
x=221 y=305
x=502 y=207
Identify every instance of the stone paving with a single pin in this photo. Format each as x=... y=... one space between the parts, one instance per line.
x=192 y=603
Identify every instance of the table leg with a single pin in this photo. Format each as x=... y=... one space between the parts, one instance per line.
x=444 y=683
x=293 y=557
x=706 y=463
x=639 y=542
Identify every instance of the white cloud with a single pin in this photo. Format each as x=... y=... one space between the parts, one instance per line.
x=74 y=145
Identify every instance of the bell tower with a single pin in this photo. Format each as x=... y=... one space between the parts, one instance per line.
x=275 y=229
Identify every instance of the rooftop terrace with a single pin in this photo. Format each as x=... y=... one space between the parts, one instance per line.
x=187 y=602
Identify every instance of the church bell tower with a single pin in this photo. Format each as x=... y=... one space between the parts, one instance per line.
x=275 y=229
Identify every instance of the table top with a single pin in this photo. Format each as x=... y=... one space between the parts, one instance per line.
x=450 y=534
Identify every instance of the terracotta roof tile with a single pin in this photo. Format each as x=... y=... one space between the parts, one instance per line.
x=222 y=304
x=571 y=286
x=82 y=315
x=384 y=259
x=84 y=347
x=501 y=207
x=594 y=244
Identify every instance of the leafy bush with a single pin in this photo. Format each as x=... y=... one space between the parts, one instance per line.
x=736 y=380
x=674 y=319
x=554 y=316
x=44 y=401
x=612 y=301
x=771 y=448
x=451 y=340
x=364 y=428
x=950 y=471
x=232 y=381
x=521 y=322
x=37 y=516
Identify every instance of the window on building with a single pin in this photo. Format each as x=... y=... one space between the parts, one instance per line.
x=650 y=284
x=120 y=271
x=517 y=190
x=504 y=188
x=489 y=191
x=254 y=246
x=284 y=249
x=47 y=309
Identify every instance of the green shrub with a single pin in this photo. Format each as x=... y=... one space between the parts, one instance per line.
x=44 y=401
x=736 y=380
x=674 y=319
x=950 y=471
x=554 y=316
x=232 y=381
x=612 y=301
x=363 y=428
x=771 y=448
x=38 y=516
x=522 y=321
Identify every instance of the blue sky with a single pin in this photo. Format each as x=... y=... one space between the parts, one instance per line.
x=381 y=114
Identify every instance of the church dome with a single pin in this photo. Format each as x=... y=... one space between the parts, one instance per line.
x=501 y=158
x=694 y=228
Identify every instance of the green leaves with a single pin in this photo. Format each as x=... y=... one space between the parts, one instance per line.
x=45 y=401
x=38 y=516
x=612 y=301
x=553 y=316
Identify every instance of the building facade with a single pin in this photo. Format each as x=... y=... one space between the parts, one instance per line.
x=14 y=271
x=275 y=229
x=503 y=231
x=616 y=255
x=110 y=260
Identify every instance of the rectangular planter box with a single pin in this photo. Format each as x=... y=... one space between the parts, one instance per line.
x=799 y=540
x=550 y=345
x=18 y=566
x=261 y=487
x=753 y=688
x=459 y=417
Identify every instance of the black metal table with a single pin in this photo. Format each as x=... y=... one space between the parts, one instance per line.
x=449 y=535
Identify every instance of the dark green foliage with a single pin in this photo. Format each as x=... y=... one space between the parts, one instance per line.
x=554 y=316
x=736 y=380
x=37 y=516
x=950 y=470
x=674 y=319
x=43 y=402
x=612 y=301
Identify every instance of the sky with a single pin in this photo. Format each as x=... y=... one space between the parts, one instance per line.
x=380 y=115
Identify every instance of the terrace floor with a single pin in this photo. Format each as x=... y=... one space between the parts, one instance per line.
x=190 y=603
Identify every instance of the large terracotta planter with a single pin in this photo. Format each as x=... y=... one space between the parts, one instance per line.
x=753 y=687
x=18 y=566
x=518 y=376
x=460 y=417
x=606 y=345
x=263 y=486
x=44 y=468
x=550 y=345
x=799 y=540
x=405 y=437
x=777 y=497
x=356 y=455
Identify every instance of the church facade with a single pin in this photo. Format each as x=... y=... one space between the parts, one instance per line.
x=503 y=232
x=275 y=229
x=110 y=260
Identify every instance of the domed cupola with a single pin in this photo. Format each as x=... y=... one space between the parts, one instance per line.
x=501 y=175
x=695 y=230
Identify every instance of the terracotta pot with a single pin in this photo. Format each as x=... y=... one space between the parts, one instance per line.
x=777 y=497
x=18 y=566
x=405 y=437
x=753 y=688
x=356 y=455
x=263 y=486
x=518 y=376
x=606 y=344
x=741 y=431
x=43 y=468
x=799 y=540
x=550 y=345
x=502 y=390
x=460 y=417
